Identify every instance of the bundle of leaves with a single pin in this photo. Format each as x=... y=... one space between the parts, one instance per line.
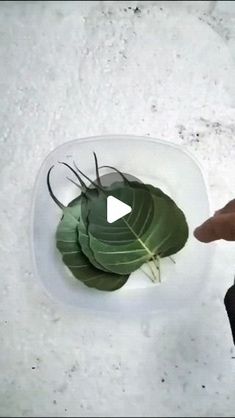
x=103 y=255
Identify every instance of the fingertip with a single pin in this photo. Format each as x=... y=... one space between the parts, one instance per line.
x=200 y=235
x=206 y=232
x=217 y=227
x=196 y=233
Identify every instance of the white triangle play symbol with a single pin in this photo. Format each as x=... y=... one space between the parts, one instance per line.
x=116 y=209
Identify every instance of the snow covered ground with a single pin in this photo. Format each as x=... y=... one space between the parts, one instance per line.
x=75 y=69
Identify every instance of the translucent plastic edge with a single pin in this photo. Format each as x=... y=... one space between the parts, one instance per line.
x=58 y=301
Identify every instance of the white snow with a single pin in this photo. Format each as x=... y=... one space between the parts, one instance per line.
x=76 y=69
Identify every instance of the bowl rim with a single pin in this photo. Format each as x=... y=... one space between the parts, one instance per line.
x=82 y=140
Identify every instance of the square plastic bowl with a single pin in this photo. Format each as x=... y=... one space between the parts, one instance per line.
x=160 y=163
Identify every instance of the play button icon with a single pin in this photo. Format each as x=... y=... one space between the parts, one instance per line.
x=116 y=209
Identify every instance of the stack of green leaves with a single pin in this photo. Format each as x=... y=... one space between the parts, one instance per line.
x=102 y=255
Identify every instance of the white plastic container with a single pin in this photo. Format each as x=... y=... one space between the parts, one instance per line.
x=158 y=162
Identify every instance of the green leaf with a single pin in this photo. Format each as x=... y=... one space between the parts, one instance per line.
x=73 y=257
x=102 y=255
x=156 y=226
x=82 y=228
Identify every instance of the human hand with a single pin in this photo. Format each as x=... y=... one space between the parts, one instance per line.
x=219 y=226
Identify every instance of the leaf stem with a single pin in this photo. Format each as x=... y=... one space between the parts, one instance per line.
x=83 y=184
x=97 y=186
x=153 y=277
x=148 y=275
x=74 y=182
x=117 y=171
x=61 y=206
x=157 y=268
x=97 y=169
